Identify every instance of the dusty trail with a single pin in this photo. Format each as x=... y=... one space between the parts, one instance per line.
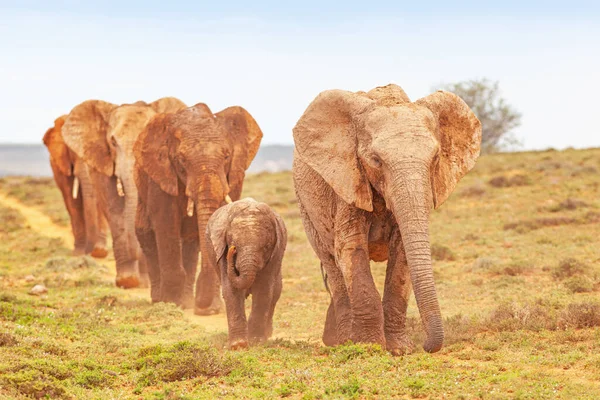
x=43 y=225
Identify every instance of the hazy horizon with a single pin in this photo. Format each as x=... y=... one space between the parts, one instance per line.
x=273 y=59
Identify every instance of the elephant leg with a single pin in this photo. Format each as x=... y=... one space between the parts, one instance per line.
x=237 y=325
x=265 y=294
x=143 y=268
x=100 y=247
x=74 y=208
x=395 y=299
x=168 y=241
x=190 y=264
x=147 y=242
x=338 y=323
x=352 y=257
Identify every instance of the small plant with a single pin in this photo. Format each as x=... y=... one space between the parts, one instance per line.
x=439 y=252
x=582 y=315
x=568 y=204
x=502 y=181
x=569 y=267
x=7 y=340
x=476 y=190
x=484 y=263
x=579 y=284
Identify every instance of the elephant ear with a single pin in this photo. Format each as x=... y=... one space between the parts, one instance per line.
x=217 y=228
x=84 y=132
x=460 y=141
x=281 y=236
x=167 y=105
x=245 y=133
x=326 y=140
x=59 y=152
x=151 y=151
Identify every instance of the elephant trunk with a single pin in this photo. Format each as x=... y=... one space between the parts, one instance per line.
x=125 y=244
x=207 y=283
x=242 y=276
x=90 y=206
x=411 y=205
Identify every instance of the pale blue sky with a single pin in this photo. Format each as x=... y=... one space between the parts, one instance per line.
x=273 y=59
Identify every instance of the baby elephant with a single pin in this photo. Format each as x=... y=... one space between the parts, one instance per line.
x=248 y=241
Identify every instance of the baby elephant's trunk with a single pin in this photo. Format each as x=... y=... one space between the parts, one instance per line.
x=242 y=277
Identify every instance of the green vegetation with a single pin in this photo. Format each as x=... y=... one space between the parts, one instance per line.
x=521 y=305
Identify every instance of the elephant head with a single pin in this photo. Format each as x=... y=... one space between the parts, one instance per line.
x=103 y=135
x=246 y=235
x=202 y=155
x=411 y=153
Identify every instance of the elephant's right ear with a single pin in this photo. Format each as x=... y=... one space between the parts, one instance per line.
x=167 y=105
x=151 y=151
x=326 y=140
x=59 y=152
x=84 y=132
x=216 y=230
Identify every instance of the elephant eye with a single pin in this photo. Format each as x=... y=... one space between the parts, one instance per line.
x=113 y=141
x=375 y=161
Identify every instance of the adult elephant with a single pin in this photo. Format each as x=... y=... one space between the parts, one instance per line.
x=102 y=135
x=189 y=163
x=368 y=168
x=73 y=180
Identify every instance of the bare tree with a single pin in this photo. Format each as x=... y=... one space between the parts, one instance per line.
x=498 y=119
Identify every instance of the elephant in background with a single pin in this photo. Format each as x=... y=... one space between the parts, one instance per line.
x=188 y=164
x=102 y=135
x=368 y=168
x=247 y=242
x=72 y=177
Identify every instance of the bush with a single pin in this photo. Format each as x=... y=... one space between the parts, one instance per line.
x=440 y=252
x=579 y=284
x=569 y=267
x=578 y=316
x=502 y=181
x=183 y=360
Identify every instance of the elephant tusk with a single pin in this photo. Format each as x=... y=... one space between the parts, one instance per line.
x=75 y=187
x=120 y=190
x=228 y=199
x=190 y=207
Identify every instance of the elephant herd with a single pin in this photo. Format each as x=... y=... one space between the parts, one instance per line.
x=166 y=180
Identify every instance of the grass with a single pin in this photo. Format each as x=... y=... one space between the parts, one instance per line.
x=521 y=305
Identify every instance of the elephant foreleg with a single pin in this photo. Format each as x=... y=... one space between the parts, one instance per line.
x=237 y=325
x=190 y=264
x=395 y=299
x=338 y=323
x=147 y=242
x=265 y=294
x=352 y=257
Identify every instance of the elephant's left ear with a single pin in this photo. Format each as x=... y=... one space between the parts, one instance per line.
x=245 y=132
x=85 y=131
x=281 y=236
x=216 y=230
x=460 y=141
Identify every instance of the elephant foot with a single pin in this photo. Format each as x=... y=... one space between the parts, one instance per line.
x=330 y=332
x=238 y=344
x=400 y=346
x=127 y=281
x=144 y=281
x=212 y=309
x=99 y=252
